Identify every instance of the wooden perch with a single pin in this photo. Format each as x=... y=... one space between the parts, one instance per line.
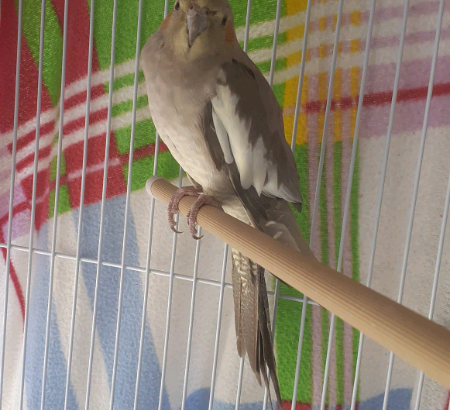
x=417 y=340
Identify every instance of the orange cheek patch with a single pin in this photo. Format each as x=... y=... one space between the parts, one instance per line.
x=166 y=21
x=229 y=33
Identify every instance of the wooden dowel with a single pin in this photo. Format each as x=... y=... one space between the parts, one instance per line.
x=417 y=340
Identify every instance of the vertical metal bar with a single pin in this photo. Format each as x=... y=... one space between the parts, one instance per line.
x=150 y=242
x=381 y=188
x=247 y=25
x=299 y=351
x=301 y=75
x=33 y=197
x=239 y=389
x=246 y=40
x=82 y=192
x=102 y=208
x=191 y=319
x=144 y=304
x=416 y=186
x=127 y=208
x=275 y=307
x=293 y=144
x=152 y=209
x=169 y=301
x=56 y=205
x=219 y=322
x=271 y=77
x=435 y=282
x=11 y=196
x=325 y=123
x=275 y=43
x=349 y=189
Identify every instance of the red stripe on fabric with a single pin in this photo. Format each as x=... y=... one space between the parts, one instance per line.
x=42 y=207
x=8 y=51
x=94 y=184
x=142 y=152
x=97 y=116
x=77 y=68
x=15 y=281
x=28 y=71
x=287 y=405
x=80 y=98
x=29 y=159
x=447 y=402
x=30 y=137
x=77 y=39
x=23 y=206
x=43 y=177
x=374 y=99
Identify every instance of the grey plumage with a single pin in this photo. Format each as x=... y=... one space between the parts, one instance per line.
x=221 y=121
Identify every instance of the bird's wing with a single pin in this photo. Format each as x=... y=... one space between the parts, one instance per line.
x=249 y=131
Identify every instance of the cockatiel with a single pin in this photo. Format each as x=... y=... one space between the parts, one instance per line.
x=221 y=121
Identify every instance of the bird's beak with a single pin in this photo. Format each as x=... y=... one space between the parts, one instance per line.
x=196 y=22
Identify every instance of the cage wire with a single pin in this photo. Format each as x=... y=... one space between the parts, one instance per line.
x=30 y=250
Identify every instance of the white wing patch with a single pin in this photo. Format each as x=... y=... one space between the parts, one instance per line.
x=222 y=136
x=233 y=133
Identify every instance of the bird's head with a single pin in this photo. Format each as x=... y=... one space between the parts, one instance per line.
x=198 y=27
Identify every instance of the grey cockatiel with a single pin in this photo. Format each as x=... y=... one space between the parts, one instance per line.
x=221 y=121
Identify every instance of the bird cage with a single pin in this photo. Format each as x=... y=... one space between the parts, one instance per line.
x=104 y=307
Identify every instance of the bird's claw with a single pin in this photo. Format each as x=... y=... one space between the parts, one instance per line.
x=172 y=209
x=192 y=214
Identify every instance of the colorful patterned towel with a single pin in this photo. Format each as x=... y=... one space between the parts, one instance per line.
x=185 y=355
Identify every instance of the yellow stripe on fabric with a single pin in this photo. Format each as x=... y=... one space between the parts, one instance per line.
x=290 y=91
x=322 y=92
x=355 y=47
x=356 y=18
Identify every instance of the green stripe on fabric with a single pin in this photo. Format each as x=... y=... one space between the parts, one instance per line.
x=354 y=218
x=278 y=90
x=261 y=11
x=325 y=333
x=339 y=337
x=143 y=169
x=167 y=166
x=53 y=166
x=127 y=106
x=145 y=134
x=337 y=193
x=324 y=256
x=125 y=81
x=264 y=67
x=126 y=27
x=63 y=201
x=354 y=237
x=289 y=312
x=323 y=215
x=337 y=201
x=303 y=218
x=52 y=55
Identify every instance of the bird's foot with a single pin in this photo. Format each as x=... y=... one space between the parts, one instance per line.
x=192 y=214
x=172 y=209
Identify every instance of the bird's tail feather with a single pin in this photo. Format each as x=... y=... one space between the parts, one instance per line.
x=282 y=225
x=252 y=320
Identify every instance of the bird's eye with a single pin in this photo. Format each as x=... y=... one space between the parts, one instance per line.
x=177 y=6
x=224 y=20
